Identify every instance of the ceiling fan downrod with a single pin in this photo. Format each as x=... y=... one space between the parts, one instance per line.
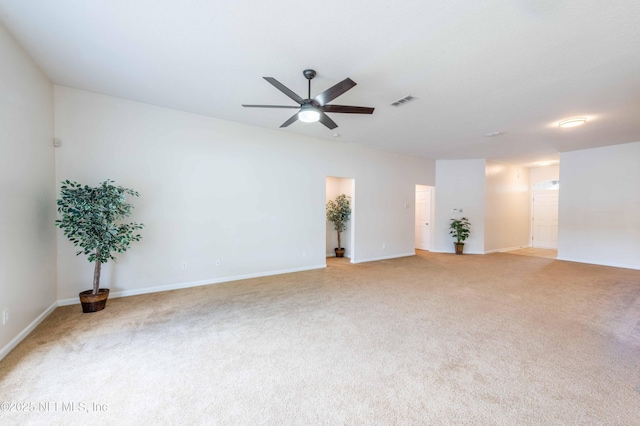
x=309 y=74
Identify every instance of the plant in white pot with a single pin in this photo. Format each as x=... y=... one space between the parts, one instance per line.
x=91 y=220
x=339 y=212
x=460 y=230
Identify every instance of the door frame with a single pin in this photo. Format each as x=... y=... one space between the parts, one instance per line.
x=352 y=221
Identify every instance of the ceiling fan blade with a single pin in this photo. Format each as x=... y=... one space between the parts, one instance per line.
x=324 y=119
x=346 y=109
x=335 y=91
x=284 y=89
x=292 y=120
x=270 y=106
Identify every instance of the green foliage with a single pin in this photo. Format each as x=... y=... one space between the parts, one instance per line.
x=90 y=219
x=339 y=212
x=460 y=229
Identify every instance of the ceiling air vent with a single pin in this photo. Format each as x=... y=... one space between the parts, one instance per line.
x=403 y=101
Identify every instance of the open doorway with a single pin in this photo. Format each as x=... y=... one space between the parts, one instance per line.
x=424 y=204
x=335 y=187
x=545 y=189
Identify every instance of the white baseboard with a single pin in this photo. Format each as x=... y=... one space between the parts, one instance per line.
x=28 y=329
x=146 y=290
x=594 y=262
x=373 y=259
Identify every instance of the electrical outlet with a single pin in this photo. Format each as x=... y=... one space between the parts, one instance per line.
x=5 y=316
x=384 y=245
x=218 y=262
x=304 y=253
x=184 y=266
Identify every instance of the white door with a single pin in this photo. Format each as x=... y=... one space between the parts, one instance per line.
x=545 y=220
x=423 y=219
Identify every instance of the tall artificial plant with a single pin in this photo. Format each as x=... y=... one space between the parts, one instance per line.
x=339 y=212
x=90 y=219
x=460 y=229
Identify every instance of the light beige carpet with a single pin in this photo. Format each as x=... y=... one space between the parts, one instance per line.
x=536 y=252
x=430 y=339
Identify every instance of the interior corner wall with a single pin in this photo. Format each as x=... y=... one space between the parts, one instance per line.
x=460 y=184
x=211 y=189
x=27 y=189
x=599 y=219
x=507 y=207
x=335 y=187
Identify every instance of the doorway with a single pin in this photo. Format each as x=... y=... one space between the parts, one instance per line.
x=336 y=186
x=423 y=217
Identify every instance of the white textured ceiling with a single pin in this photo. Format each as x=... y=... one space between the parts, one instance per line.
x=475 y=67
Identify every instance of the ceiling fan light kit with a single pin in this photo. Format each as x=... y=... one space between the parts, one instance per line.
x=315 y=109
x=309 y=114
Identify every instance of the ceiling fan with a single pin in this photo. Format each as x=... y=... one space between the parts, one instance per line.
x=312 y=110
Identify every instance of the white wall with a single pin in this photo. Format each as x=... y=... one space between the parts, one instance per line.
x=27 y=189
x=544 y=174
x=335 y=187
x=460 y=184
x=384 y=199
x=211 y=189
x=507 y=207
x=599 y=213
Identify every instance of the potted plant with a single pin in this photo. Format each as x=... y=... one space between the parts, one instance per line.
x=90 y=219
x=339 y=212
x=460 y=229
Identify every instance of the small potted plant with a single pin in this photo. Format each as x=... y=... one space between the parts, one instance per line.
x=90 y=219
x=460 y=229
x=339 y=212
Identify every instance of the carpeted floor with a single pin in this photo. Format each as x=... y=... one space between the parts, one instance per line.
x=430 y=339
x=536 y=252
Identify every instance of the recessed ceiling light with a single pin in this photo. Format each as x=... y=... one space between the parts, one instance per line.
x=335 y=135
x=543 y=163
x=493 y=134
x=572 y=122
